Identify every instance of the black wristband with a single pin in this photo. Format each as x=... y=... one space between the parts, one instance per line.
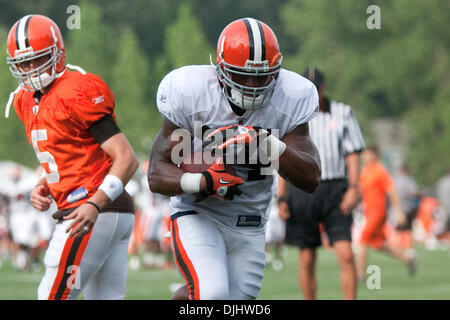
x=95 y=205
x=209 y=182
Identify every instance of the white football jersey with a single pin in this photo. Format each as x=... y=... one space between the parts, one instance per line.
x=191 y=98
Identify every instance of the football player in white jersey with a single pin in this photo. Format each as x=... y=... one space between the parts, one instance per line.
x=219 y=215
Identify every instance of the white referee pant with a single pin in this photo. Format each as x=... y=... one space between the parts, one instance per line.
x=95 y=264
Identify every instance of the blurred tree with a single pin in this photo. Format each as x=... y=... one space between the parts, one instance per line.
x=214 y=16
x=146 y=18
x=390 y=72
x=149 y=18
x=184 y=41
x=333 y=36
x=14 y=10
x=184 y=44
x=429 y=155
x=14 y=144
x=93 y=46
x=136 y=114
x=400 y=71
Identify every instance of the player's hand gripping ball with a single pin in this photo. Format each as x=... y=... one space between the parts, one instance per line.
x=221 y=179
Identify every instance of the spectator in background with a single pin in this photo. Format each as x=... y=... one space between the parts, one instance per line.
x=21 y=220
x=275 y=231
x=5 y=239
x=147 y=244
x=443 y=191
x=442 y=214
x=409 y=195
x=338 y=138
x=426 y=222
x=156 y=256
x=376 y=183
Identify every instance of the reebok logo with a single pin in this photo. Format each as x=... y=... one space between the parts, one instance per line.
x=163 y=98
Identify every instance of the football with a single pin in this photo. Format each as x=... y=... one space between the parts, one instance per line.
x=196 y=163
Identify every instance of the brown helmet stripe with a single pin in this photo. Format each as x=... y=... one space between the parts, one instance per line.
x=22 y=41
x=17 y=35
x=27 y=23
x=257 y=42
x=251 y=40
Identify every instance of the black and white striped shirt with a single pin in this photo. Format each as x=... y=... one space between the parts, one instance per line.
x=336 y=133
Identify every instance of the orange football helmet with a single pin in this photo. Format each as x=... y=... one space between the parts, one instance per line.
x=34 y=37
x=248 y=62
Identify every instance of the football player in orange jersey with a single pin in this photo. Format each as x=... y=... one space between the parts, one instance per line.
x=70 y=121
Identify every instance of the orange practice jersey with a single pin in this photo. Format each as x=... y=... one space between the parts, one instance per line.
x=57 y=128
x=425 y=212
x=375 y=181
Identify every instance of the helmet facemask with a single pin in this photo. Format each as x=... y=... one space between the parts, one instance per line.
x=37 y=78
x=248 y=97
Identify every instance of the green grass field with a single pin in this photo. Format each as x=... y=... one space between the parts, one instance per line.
x=432 y=280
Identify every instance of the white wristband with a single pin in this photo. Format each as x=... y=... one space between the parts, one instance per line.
x=190 y=182
x=112 y=186
x=272 y=147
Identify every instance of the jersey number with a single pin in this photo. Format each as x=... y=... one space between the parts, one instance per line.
x=45 y=157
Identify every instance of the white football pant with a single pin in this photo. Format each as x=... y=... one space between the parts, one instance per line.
x=216 y=261
x=95 y=264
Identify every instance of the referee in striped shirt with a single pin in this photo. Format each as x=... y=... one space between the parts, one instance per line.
x=338 y=138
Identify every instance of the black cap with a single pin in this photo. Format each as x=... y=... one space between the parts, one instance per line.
x=315 y=75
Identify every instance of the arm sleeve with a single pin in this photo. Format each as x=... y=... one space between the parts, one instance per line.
x=93 y=101
x=353 y=140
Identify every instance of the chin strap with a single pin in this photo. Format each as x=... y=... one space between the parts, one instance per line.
x=10 y=101
x=13 y=93
x=76 y=68
x=58 y=75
